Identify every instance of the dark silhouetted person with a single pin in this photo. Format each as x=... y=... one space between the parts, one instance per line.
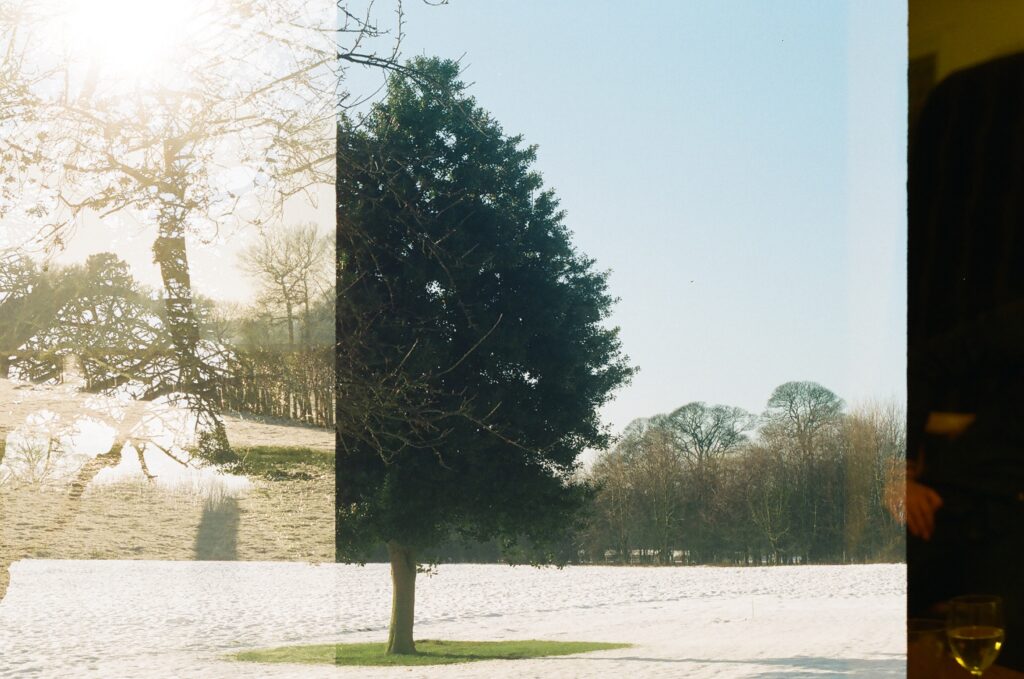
x=965 y=487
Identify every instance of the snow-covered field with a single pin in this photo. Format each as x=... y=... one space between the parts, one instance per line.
x=126 y=619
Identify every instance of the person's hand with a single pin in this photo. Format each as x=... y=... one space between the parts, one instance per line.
x=921 y=504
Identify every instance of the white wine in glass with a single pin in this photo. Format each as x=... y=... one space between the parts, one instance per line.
x=975 y=631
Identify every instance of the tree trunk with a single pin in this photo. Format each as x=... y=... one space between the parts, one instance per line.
x=291 y=323
x=6 y=554
x=403 y=599
x=170 y=254
x=5 y=575
x=183 y=327
x=307 y=339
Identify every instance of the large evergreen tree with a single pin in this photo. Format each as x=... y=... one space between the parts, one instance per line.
x=473 y=354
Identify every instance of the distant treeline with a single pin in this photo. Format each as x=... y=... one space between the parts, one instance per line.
x=804 y=483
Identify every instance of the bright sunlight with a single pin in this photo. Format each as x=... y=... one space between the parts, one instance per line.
x=129 y=38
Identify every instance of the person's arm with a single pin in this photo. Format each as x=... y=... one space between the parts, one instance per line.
x=923 y=501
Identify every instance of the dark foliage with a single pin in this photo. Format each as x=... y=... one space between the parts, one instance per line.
x=473 y=355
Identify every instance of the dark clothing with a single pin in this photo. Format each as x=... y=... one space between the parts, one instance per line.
x=986 y=459
x=965 y=337
x=965 y=321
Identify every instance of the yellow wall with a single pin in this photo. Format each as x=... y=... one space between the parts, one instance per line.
x=965 y=32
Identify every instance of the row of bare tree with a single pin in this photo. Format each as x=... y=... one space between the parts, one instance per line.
x=806 y=482
x=294 y=385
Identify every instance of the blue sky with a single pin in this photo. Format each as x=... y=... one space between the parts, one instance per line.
x=739 y=166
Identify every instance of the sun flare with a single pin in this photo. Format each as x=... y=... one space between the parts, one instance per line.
x=128 y=37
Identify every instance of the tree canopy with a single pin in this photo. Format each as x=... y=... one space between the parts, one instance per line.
x=461 y=291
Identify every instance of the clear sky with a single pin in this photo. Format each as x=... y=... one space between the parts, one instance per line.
x=738 y=165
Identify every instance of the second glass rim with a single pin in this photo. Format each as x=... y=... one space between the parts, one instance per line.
x=976 y=599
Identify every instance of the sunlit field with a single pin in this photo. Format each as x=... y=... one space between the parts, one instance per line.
x=273 y=504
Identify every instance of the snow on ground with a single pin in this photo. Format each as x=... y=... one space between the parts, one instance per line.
x=35 y=419
x=115 y=619
x=18 y=400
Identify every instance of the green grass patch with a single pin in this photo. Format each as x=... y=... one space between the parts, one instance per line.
x=281 y=462
x=428 y=652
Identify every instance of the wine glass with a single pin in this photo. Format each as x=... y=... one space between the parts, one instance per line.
x=975 y=631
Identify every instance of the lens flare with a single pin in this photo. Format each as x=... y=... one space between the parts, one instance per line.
x=128 y=38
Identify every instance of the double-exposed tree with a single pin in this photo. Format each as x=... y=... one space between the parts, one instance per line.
x=473 y=350
x=184 y=120
x=208 y=125
x=102 y=319
x=27 y=303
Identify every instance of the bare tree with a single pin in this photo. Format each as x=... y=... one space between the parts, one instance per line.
x=292 y=267
x=873 y=436
x=20 y=110
x=614 y=520
x=803 y=419
x=641 y=490
x=658 y=481
x=803 y=411
x=766 y=500
x=769 y=494
x=702 y=435
x=705 y=433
